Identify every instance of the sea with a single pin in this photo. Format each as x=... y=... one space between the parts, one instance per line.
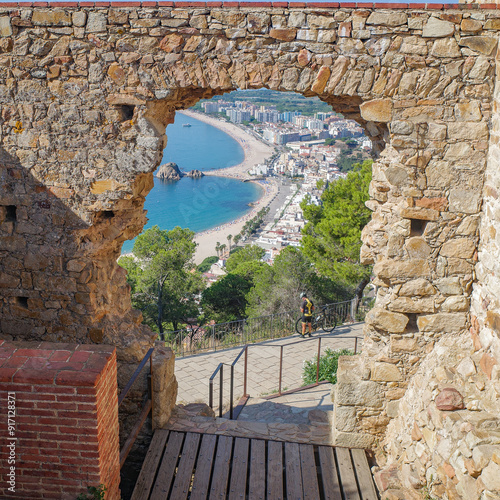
x=204 y=203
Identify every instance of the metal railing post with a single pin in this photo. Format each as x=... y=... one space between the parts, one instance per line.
x=317 y=365
x=213 y=338
x=151 y=383
x=245 y=373
x=211 y=393
x=355 y=345
x=231 y=389
x=281 y=368
x=221 y=383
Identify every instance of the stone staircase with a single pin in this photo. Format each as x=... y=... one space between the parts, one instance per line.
x=260 y=419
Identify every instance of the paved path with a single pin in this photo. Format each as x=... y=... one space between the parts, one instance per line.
x=193 y=372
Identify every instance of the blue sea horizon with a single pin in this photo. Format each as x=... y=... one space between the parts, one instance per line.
x=204 y=203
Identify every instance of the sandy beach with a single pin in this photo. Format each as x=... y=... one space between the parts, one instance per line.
x=255 y=152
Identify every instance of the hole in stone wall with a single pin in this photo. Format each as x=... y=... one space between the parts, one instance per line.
x=22 y=302
x=412 y=323
x=10 y=213
x=305 y=144
x=107 y=214
x=417 y=227
x=127 y=111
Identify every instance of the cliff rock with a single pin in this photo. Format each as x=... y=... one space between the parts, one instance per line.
x=196 y=174
x=169 y=172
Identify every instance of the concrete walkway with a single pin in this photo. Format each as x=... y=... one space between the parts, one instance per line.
x=193 y=372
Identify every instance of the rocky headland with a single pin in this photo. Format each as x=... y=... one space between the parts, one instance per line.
x=171 y=172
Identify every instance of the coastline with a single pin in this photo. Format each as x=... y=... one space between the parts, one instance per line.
x=255 y=152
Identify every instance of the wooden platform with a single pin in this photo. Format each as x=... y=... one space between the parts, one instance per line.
x=181 y=465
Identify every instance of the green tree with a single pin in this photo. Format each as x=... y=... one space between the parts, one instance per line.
x=277 y=288
x=332 y=235
x=246 y=254
x=162 y=276
x=225 y=299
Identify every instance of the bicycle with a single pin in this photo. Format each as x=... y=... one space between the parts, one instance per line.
x=324 y=319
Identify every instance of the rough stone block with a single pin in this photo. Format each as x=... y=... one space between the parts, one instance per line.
x=449 y=399
x=435 y=28
x=387 y=18
x=409 y=305
x=377 y=110
x=386 y=320
x=51 y=17
x=411 y=268
x=462 y=248
x=403 y=344
x=344 y=418
x=418 y=287
x=386 y=372
x=352 y=439
x=490 y=476
x=5 y=26
x=364 y=393
x=442 y=322
x=465 y=201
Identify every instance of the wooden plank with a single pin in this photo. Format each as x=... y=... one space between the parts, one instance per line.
x=275 y=471
x=149 y=466
x=185 y=468
x=204 y=464
x=294 y=487
x=309 y=472
x=238 y=485
x=221 y=468
x=347 y=477
x=167 y=468
x=257 y=483
x=364 y=475
x=329 y=475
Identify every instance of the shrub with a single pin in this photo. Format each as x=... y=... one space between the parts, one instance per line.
x=93 y=493
x=328 y=364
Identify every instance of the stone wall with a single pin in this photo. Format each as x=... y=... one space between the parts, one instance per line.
x=87 y=92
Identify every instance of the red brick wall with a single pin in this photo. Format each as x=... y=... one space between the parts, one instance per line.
x=63 y=433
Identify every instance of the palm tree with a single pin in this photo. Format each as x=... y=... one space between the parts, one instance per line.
x=229 y=238
x=222 y=249
x=217 y=248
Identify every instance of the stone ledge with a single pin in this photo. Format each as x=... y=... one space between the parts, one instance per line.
x=325 y=5
x=188 y=421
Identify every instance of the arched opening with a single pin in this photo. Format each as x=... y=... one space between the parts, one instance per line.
x=301 y=144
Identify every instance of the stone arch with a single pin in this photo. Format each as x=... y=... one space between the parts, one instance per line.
x=86 y=93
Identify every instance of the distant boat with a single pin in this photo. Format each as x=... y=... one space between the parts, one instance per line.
x=186 y=124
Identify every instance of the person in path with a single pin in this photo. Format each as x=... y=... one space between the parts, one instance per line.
x=306 y=308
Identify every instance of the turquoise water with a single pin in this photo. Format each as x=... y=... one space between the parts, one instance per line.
x=198 y=204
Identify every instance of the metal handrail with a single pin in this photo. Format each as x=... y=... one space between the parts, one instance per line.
x=220 y=370
x=247 y=331
x=148 y=406
x=134 y=376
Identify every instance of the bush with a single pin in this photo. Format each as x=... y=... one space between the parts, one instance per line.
x=328 y=364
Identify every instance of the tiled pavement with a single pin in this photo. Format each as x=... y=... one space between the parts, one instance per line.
x=291 y=408
x=193 y=372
